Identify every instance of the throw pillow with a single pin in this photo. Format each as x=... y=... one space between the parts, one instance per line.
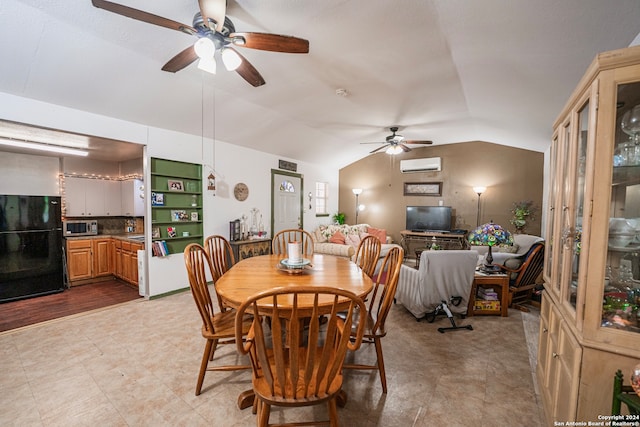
x=380 y=233
x=338 y=238
x=506 y=249
x=319 y=236
x=352 y=240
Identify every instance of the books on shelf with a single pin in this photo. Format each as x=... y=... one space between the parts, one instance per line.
x=160 y=248
x=487 y=294
x=486 y=305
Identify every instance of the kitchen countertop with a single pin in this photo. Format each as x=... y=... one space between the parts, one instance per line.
x=131 y=237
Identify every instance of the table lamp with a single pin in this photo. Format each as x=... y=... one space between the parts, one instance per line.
x=490 y=234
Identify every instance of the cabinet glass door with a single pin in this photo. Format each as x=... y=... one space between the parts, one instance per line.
x=622 y=278
x=549 y=274
x=573 y=241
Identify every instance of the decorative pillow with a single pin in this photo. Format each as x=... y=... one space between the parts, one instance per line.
x=506 y=249
x=380 y=233
x=338 y=237
x=319 y=236
x=352 y=240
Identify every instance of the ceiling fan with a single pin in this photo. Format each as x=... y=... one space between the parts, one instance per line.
x=395 y=143
x=215 y=33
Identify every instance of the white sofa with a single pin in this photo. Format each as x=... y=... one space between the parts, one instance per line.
x=441 y=275
x=353 y=233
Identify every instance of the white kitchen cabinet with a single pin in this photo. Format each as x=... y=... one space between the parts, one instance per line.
x=132 y=197
x=112 y=198
x=92 y=197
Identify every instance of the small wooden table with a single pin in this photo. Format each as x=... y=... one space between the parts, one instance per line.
x=260 y=273
x=500 y=284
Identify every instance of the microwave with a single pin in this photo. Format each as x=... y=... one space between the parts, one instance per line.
x=83 y=227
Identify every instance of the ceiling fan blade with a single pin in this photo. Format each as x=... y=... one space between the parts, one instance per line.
x=139 y=15
x=248 y=71
x=271 y=42
x=417 y=142
x=214 y=10
x=181 y=60
x=378 y=149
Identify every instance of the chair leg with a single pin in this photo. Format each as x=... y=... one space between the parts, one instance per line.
x=333 y=412
x=213 y=349
x=264 y=410
x=383 y=375
x=203 y=365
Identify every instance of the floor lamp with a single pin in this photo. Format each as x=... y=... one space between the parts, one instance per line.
x=479 y=191
x=357 y=192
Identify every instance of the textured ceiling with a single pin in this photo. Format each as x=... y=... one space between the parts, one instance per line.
x=444 y=70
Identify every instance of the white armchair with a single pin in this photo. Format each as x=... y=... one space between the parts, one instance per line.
x=441 y=275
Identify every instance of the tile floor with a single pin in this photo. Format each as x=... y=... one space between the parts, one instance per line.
x=136 y=364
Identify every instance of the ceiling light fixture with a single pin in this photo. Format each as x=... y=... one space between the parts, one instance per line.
x=393 y=150
x=231 y=59
x=42 y=147
x=205 y=49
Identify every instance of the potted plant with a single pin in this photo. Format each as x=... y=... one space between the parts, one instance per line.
x=523 y=212
x=338 y=217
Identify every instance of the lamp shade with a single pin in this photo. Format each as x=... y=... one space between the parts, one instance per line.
x=490 y=234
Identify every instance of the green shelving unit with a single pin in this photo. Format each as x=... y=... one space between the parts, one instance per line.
x=176 y=204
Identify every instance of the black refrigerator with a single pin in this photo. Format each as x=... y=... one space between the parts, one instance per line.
x=31 y=252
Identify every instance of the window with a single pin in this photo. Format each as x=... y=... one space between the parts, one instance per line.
x=286 y=186
x=322 y=198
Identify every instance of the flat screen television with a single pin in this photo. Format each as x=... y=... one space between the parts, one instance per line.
x=429 y=218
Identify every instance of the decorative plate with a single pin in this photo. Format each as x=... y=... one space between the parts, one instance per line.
x=295 y=265
x=299 y=270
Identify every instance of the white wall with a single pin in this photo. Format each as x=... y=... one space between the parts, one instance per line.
x=232 y=164
x=29 y=175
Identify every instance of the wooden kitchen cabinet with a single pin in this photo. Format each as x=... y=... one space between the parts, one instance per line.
x=126 y=259
x=589 y=326
x=79 y=263
x=101 y=257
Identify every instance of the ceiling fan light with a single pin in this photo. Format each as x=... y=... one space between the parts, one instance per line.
x=231 y=59
x=207 y=64
x=393 y=150
x=204 y=48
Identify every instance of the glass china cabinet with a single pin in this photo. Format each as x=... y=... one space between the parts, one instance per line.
x=589 y=324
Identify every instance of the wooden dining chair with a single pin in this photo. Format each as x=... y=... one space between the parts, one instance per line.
x=367 y=254
x=280 y=240
x=220 y=254
x=380 y=302
x=523 y=279
x=295 y=369
x=217 y=327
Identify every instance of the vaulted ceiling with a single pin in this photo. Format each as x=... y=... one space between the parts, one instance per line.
x=444 y=70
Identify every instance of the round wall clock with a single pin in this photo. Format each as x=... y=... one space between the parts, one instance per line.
x=241 y=191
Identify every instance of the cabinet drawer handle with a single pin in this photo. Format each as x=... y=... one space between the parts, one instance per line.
x=545 y=330
x=554 y=355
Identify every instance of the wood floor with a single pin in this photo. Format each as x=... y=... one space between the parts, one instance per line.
x=75 y=300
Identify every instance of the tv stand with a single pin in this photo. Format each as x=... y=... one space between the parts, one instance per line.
x=411 y=240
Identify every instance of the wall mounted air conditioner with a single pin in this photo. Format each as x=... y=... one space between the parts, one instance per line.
x=421 y=165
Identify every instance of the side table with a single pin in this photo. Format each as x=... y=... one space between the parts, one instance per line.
x=249 y=248
x=499 y=283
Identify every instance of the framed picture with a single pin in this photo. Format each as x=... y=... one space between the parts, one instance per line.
x=155 y=233
x=194 y=216
x=423 y=188
x=157 y=199
x=175 y=185
x=179 y=215
x=171 y=231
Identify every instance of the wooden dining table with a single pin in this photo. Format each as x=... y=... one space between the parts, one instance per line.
x=253 y=275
